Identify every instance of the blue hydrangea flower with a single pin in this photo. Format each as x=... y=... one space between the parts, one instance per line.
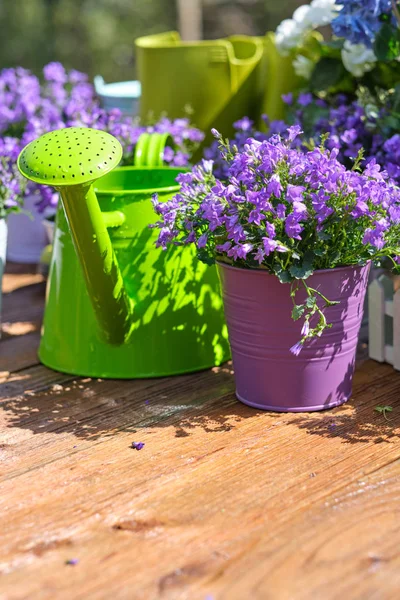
x=358 y=21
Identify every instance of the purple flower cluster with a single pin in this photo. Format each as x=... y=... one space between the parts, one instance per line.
x=285 y=209
x=29 y=108
x=282 y=200
x=12 y=187
x=243 y=129
x=351 y=125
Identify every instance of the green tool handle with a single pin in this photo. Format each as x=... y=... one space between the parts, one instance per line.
x=93 y=246
x=149 y=151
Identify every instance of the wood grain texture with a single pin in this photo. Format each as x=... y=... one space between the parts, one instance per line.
x=223 y=501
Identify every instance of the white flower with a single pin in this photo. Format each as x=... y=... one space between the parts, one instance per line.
x=357 y=58
x=288 y=35
x=323 y=12
x=316 y=14
x=303 y=66
x=302 y=16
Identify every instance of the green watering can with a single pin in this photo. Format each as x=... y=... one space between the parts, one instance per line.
x=220 y=80
x=116 y=305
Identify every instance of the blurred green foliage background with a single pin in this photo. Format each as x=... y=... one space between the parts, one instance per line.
x=97 y=36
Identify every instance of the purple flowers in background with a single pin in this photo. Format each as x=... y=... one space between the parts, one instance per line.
x=29 y=108
x=351 y=125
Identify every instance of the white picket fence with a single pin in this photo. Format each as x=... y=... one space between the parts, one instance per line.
x=384 y=320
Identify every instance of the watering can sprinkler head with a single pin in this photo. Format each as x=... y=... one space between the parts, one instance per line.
x=71 y=159
x=70 y=156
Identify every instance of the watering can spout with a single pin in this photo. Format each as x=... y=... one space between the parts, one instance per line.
x=71 y=159
x=88 y=227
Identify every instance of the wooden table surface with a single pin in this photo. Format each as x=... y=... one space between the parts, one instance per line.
x=223 y=502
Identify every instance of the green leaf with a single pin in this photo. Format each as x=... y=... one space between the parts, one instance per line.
x=305 y=269
x=301 y=271
x=335 y=44
x=327 y=73
x=283 y=276
x=382 y=409
x=396 y=100
x=311 y=301
x=324 y=236
x=387 y=43
x=204 y=257
x=298 y=311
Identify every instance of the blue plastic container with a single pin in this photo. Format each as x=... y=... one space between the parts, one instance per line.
x=124 y=95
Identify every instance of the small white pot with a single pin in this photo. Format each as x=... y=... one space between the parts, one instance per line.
x=3 y=247
x=27 y=235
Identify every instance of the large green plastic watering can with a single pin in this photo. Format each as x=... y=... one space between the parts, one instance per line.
x=219 y=80
x=116 y=305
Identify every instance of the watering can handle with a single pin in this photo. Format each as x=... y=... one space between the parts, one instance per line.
x=150 y=148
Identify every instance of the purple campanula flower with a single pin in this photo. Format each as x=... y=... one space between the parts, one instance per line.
x=296 y=348
x=168 y=154
x=274 y=186
x=349 y=136
x=256 y=216
x=293 y=228
x=374 y=170
x=287 y=98
x=305 y=329
x=259 y=256
x=202 y=241
x=239 y=251
x=281 y=211
x=270 y=229
x=305 y=99
x=294 y=192
x=269 y=245
x=294 y=131
x=224 y=247
x=137 y=445
x=244 y=124
x=72 y=561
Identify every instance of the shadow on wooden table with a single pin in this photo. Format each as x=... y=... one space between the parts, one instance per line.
x=361 y=426
x=46 y=402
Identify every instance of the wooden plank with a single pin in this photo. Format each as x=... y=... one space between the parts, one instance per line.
x=223 y=501
x=22 y=312
x=213 y=477
x=19 y=352
x=43 y=401
x=18 y=276
x=24 y=304
x=344 y=547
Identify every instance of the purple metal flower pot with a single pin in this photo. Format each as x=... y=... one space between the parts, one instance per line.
x=261 y=332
